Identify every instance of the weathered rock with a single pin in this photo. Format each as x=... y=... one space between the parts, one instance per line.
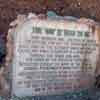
x=11 y=8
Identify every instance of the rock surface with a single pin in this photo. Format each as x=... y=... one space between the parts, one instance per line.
x=11 y=8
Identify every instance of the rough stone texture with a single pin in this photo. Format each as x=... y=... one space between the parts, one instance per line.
x=9 y=9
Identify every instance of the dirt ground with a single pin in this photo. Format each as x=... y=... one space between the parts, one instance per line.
x=9 y=9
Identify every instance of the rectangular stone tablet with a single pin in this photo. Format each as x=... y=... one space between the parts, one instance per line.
x=52 y=57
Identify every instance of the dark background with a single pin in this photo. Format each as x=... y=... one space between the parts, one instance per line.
x=9 y=9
